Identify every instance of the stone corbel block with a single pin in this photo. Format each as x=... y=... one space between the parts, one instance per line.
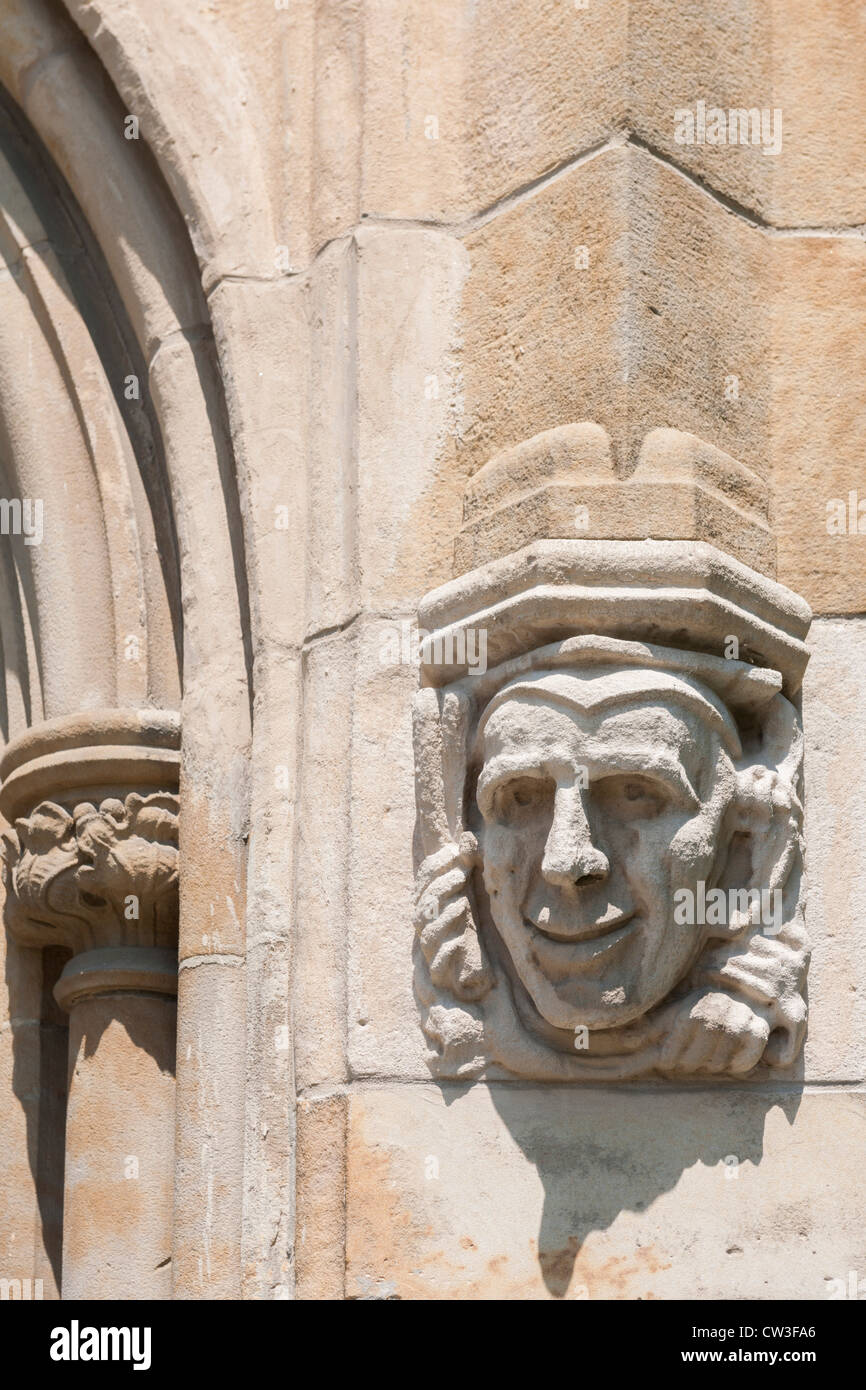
x=562 y=484
x=608 y=758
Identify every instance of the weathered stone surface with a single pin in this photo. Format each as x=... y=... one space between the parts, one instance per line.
x=835 y=755
x=544 y=334
x=819 y=426
x=562 y=483
x=446 y=136
x=119 y=1148
x=321 y=1192
x=206 y=1235
x=768 y=57
x=525 y=1193
x=621 y=293
x=326 y=325
x=699 y=316
x=410 y=411
x=31 y=1189
x=353 y=952
x=379 y=999
x=324 y=798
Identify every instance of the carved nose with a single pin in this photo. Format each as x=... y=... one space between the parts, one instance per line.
x=570 y=857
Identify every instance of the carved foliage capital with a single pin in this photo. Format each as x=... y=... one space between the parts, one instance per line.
x=96 y=876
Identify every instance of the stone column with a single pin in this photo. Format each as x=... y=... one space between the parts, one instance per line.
x=91 y=865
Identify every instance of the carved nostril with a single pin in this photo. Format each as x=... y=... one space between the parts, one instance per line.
x=575 y=874
x=590 y=866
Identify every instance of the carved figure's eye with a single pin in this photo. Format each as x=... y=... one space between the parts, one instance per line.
x=634 y=791
x=523 y=796
x=631 y=797
x=91 y=899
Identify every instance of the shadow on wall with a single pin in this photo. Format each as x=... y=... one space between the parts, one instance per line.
x=40 y=1044
x=68 y=256
x=602 y=1152
x=42 y=1071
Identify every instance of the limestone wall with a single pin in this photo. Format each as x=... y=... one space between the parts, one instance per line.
x=352 y=252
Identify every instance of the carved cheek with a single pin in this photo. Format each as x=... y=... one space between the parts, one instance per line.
x=632 y=848
x=693 y=849
x=654 y=856
x=641 y=853
x=501 y=856
x=512 y=857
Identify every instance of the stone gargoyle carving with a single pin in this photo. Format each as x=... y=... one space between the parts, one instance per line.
x=609 y=848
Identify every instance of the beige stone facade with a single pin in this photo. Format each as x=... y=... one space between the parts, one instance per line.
x=433 y=619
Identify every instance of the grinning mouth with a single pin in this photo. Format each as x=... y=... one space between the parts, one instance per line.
x=560 y=956
x=612 y=920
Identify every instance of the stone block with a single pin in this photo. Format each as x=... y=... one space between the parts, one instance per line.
x=767 y=58
x=511 y=1192
x=835 y=782
x=819 y=418
x=562 y=483
x=466 y=104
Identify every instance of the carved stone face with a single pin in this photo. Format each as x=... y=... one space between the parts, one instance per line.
x=601 y=796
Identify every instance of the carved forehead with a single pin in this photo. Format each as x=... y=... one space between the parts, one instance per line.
x=599 y=691
x=536 y=724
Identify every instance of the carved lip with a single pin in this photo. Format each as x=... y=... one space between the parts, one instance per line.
x=591 y=932
x=583 y=949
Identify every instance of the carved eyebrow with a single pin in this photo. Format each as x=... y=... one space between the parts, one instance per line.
x=656 y=765
x=504 y=768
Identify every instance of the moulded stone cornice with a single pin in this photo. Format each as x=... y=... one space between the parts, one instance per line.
x=681 y=488
x=107 y=749
x=144 y=969
x=652 y=591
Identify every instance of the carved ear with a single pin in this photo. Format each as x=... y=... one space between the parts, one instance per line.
x=768 y=969
x=445 y=912
x=440 y=731
x=769 y=797
x=429 y=781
